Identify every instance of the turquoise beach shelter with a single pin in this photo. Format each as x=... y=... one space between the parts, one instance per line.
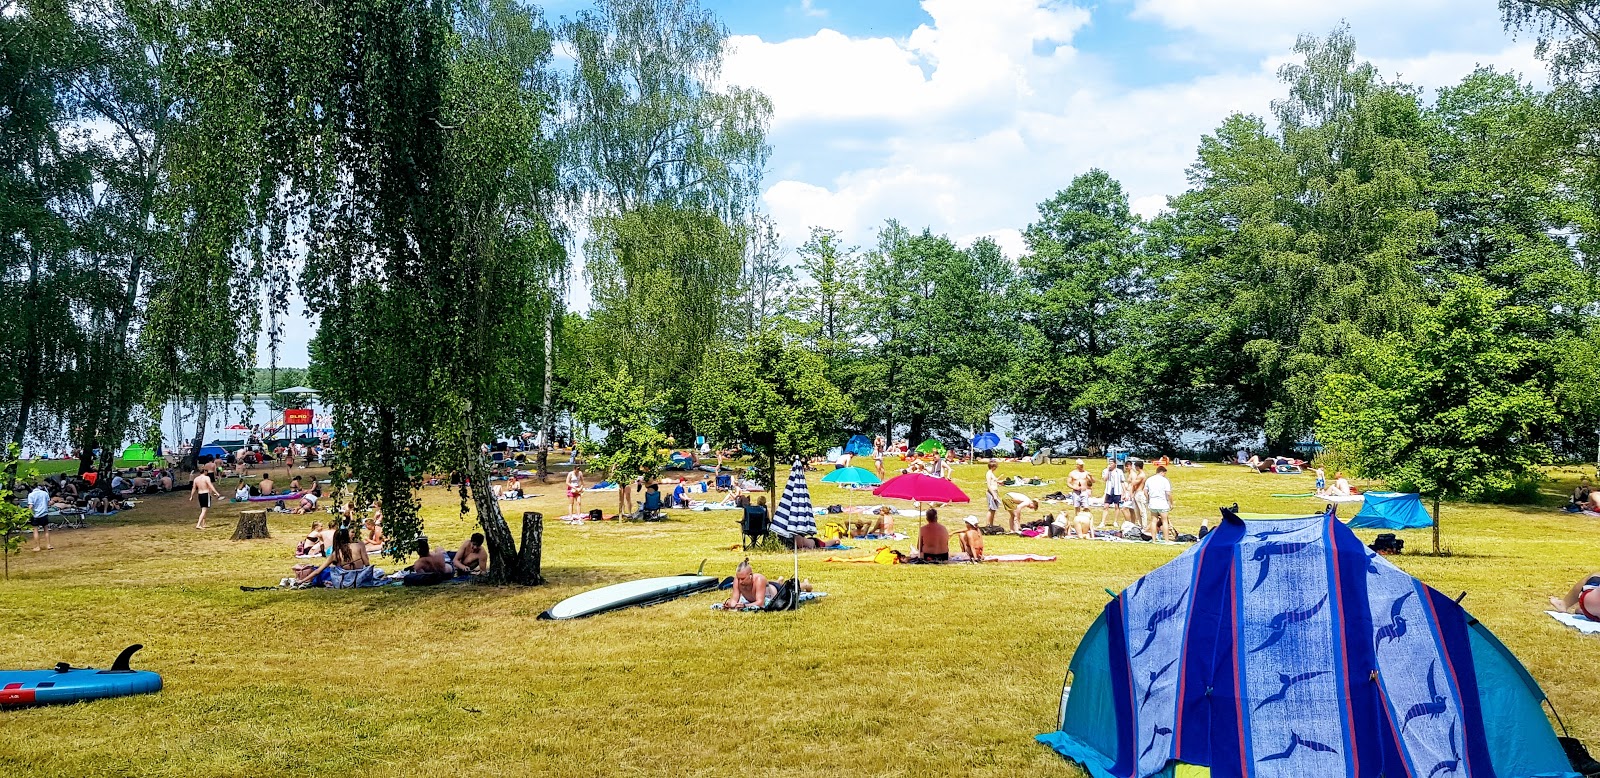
x=1392 y=510
x=1284 y=648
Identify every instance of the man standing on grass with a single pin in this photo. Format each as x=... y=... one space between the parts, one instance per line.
x=205 y=490
x=1159 y=489
x=991 y=483
x=1079 y=481
x=1113 y=501
x=39 y=504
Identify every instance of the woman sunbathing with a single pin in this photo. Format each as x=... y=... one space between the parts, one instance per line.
x=1583 y=598
x=374 y=535
x=348 y=556
x=311 y=544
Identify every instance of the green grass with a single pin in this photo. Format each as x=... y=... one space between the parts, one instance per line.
x=900 y=671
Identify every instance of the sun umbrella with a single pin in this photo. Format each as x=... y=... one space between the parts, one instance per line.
x=795 y=517
x=298 y=390
x=985 y=441
x=859 y=445
x=931 y=446
x=853 y=476
x=925 y=488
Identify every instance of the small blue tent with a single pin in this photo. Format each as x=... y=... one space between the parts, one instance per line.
x=1284 y=647
x=212 y=450
x=1392 y=510
x=859 y=445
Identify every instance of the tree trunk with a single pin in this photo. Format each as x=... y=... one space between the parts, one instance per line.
x=1436 y=525
x=506 y=565
x=202 y=415
x=252 y=525
x=547 y=417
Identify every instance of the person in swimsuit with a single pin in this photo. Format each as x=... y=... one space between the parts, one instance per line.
x=972 y=539
x=374 y=535
x=991 y=490
x=933 y=540
x=749 y=588
x=470 y=557
x=878 y=446
x=1583 y=599
x=1080 y=482
x=203 y=489
x=575 y=491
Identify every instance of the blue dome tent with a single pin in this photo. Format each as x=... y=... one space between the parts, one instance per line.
x=1283 y=647
x=859 y=445
x=1391 y=510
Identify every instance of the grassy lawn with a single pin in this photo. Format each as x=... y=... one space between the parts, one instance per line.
x=906 y=670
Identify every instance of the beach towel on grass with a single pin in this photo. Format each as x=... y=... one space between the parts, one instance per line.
x=802 y=597
x=1019 y=558
x=1576 y=622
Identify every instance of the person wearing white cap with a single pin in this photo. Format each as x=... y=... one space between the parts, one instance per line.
x=972 y=539
x=1079 y=481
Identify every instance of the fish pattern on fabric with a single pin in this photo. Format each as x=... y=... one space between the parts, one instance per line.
x=1287 y=651
x=1414 y=673
x=1156 y=621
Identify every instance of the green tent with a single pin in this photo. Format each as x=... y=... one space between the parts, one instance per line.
x=138 y=454
x=931 y=446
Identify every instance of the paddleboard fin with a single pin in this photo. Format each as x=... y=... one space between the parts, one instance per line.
x=121 y=665
x=702 y=570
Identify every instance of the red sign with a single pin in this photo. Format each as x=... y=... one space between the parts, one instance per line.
x=297 y=416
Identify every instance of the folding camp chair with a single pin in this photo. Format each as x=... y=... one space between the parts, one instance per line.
x=755 y=525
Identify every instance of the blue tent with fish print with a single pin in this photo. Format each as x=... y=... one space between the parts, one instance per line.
x=1284 y=647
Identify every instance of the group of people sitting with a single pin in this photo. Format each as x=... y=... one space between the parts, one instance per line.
x=934 y=541
x=346 y=561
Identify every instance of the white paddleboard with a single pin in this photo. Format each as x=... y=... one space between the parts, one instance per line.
x=648 y=591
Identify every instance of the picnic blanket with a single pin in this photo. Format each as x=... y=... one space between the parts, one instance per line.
x=800 y=598
x=1577 y=622
x=1019 y=558
x=696 y=505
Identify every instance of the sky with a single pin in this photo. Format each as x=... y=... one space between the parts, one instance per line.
x=962 y=115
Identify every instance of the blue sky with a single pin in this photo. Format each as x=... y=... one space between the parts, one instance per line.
x=962 y=115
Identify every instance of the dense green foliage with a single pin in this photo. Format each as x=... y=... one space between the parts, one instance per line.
x=417 y=171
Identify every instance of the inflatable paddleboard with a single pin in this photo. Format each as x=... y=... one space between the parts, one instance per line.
x=71 y=684
x=648 y=591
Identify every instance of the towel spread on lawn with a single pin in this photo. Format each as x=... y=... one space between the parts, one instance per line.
x=802 y=597
x=1576 y=622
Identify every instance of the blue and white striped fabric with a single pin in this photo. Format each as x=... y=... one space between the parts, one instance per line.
x=794 y=516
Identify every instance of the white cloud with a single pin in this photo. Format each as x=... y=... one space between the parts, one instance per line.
x=809 y=8
x=972 y=119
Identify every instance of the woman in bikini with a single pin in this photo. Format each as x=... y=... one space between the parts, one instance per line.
x=575 y=491
x=1584 y=598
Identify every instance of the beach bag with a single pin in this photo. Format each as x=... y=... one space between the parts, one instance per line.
x=832 y=529
x=784 y=600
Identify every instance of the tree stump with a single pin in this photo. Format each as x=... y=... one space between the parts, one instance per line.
x=252 y=525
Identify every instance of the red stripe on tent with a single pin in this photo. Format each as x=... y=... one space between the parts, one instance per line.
x=1344 y=654
x=1450 y=667
x=1238 y=673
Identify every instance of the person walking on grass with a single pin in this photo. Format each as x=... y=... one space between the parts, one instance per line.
x=39 y=504
x=878 y=445
x=204 y=490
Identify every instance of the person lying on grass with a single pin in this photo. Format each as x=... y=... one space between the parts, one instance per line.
x=430 y=563
x=749 y=588
x=1583 y=598
x=308 y=501
x=933 y=540
x=971 y=539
